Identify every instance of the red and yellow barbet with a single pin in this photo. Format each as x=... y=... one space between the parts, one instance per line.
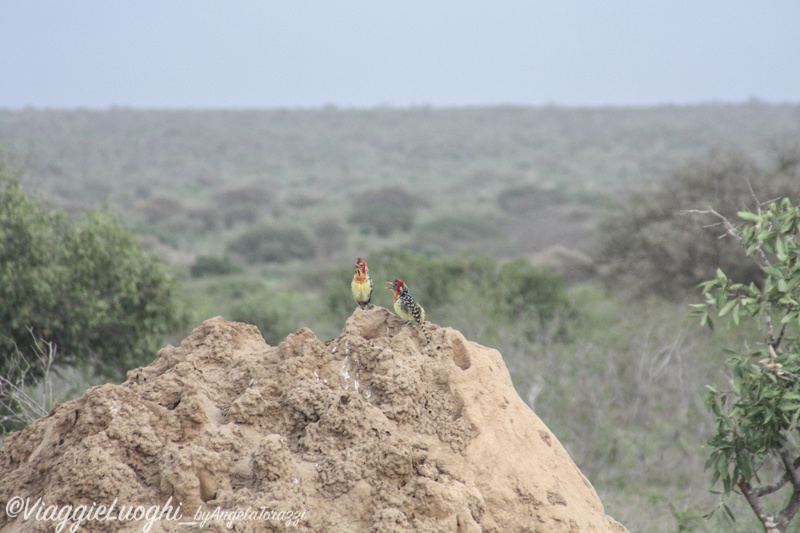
x=406 y=307
x=362 y=284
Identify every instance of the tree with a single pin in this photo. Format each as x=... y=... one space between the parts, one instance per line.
x=87 y=287
x=757 y=418
x=648 y=243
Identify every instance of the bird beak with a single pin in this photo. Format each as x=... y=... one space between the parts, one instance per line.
x=389 y=285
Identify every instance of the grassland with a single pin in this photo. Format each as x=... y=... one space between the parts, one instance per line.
x=260 y=213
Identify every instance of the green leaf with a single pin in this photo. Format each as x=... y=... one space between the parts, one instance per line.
x=722 y=297
x=780 y=249
x=728 y=511
x=727 y=308
x=748 y=216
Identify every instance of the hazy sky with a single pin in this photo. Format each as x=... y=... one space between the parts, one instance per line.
x=302 y=53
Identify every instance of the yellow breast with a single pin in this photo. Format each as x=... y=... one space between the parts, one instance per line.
x=361 y=291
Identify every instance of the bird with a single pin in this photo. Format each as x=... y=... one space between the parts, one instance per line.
x=406 y=306
x=362 y=284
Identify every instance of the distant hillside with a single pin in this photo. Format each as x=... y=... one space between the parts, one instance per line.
x=129 y=153
x=195 y=178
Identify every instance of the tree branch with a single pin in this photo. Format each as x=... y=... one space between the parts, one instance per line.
x=731 y=230
x=767 y=520
x=773 y=487
x=755 y=198
x=792 y=507
x=777 y=342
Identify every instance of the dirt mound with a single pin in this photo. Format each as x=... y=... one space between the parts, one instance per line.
x=372 y=431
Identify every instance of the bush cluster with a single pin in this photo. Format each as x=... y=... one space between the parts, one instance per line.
x=88 y=287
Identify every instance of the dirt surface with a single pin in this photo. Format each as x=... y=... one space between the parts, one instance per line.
x=374 y=431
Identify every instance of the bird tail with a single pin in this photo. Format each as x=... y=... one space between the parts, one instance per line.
x=425 y=331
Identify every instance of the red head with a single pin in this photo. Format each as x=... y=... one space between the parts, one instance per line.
x=361 y=267
x=397 y=286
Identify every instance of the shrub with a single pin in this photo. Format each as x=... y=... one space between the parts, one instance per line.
x=253 y=194
x=331 y=235
x=19 y=402
x=157 y=210
x=273 y=244
x=451 y=232
x=261 y=310
x=382 y=220
x=396 y=197
x=233 y=214
x=87 y=287
x=249 y=300
x=385 y=210
x=531 y=290
x=206 y=265
x=528 y=198
x=446 y=286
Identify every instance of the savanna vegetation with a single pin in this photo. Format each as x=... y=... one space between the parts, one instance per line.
x=82 y=292
x=572 y=240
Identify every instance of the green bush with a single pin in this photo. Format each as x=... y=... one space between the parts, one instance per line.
x=531 y=290
x=447 y=286
x=249 y=300
x=88 y=287
x=273 y=244
x=261 y=310
x=206 y=265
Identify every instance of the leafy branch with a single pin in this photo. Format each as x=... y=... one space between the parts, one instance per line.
x=757 y=420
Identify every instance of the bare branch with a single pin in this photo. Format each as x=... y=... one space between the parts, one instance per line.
x=755 y=198
x=16 y=398
x=731 y=230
